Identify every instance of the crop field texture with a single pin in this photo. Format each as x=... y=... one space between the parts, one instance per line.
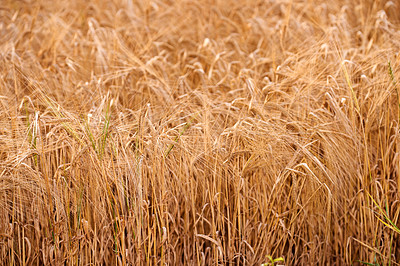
x=182 y=132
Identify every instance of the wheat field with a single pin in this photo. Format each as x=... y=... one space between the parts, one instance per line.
x=182 y=132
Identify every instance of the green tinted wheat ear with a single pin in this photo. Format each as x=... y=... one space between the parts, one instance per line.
x=185 y=127
x=349 y=83
x=105 y=132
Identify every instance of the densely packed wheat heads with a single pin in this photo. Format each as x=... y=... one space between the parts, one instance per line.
x=199 y=132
